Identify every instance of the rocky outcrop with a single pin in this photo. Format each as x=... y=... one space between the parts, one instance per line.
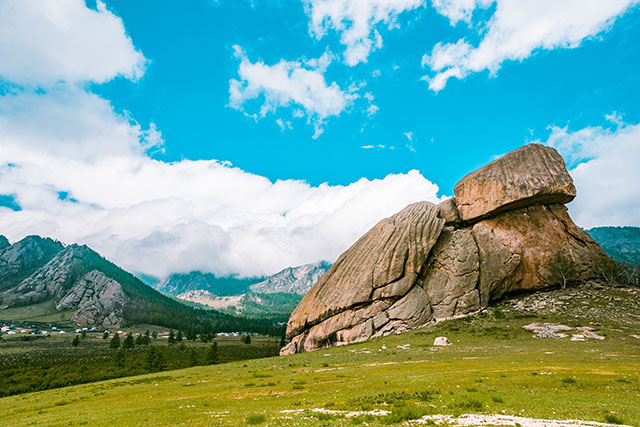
x=292 y=280
x=429 y=263
x=21 y=259
x=530 y=175
x=98 y=301
x=51 y=281
x=69 y=279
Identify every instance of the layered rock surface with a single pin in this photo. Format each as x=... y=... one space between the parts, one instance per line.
x=429 y=263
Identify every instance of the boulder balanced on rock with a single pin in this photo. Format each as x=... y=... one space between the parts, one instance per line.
x=434 y=262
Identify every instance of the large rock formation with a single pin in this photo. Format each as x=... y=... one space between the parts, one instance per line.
x=98 y=301
x=429 y=263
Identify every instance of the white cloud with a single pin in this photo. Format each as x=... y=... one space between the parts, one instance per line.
x=46 y=41
x=290 y=84
x=604 y=165
x=357 y=21
x=157 y=217
x=459 y=10
x=515 y=31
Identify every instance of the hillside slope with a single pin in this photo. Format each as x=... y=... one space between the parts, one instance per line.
x=620 y=243
x=77 y=279
x=275 y=297
x=292 y=280
x=179 y=283
x=494 y=369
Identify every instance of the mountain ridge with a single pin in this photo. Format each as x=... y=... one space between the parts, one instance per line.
x=76 y=278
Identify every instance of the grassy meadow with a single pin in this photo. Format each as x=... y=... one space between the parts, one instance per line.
x=493 y=366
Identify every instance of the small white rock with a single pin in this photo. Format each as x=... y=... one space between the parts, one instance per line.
x=442 y=341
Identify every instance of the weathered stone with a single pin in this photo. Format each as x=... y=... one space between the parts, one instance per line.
x=530 y=175
x=396 y=247
x=99 y=301
x=516 y=245
x=449 y=211
x=441 y=341
x=453 y=272
x=410 y=269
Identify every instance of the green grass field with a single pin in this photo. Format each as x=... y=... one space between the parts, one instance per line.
x=494 y=366
x=43 y=312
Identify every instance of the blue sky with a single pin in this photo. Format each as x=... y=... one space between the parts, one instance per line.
x=185 y=92
x=199 y=135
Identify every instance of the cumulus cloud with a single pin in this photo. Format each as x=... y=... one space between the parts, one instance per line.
x=604 y=164
x=298 y=84
x=157 y=217
x=515 y=31
x=46 y=41
x=357 y=21
x=82 y=172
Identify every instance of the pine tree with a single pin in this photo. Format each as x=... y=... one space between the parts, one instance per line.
x=172 y=337
x=128 y=342
x=154 y=335
x=147 y=338
x=119 y=358
x=153 y=359
x=139 y=340
x=193 y=358
x=115 y=341
x=105 y=335
x=83 y=335
x=247 y=339
x=212 y=354
x=76 y=341
x=179 y=337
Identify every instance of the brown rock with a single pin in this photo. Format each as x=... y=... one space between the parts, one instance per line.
x=449 y=211
x=452 y=274
x=392 y=253
x=409 y=270
x=530 y=175
x=516 y=245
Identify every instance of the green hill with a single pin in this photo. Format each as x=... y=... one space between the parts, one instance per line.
x=46 y=281
x=494 y=367
x=620 y=243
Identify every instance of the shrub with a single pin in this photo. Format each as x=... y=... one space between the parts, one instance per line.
x=613 y=419
x=561 y=269
x=568 y=380
x=401 y=414
x=256 y=419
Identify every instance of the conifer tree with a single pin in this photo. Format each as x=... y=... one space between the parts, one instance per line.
x=76 y=341
x=115 y=341
x=179 y=337
x=128 y=342
x=212 y=354
x=119 y=358
x=172 y=337
x=105 y=335
x=154 y=335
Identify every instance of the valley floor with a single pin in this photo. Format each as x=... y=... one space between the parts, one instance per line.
x=494 y=367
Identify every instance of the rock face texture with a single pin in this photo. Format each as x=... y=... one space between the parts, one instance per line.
x=429 y=263
x=98 y=301
x=62 y=275
x=530 y=175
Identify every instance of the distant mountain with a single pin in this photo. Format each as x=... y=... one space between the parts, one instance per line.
x=274 y=297
x=38 y=271
x=620 y=243
x=23 y=258
x=292 y=280
x=148 y=279
x=179 y=283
